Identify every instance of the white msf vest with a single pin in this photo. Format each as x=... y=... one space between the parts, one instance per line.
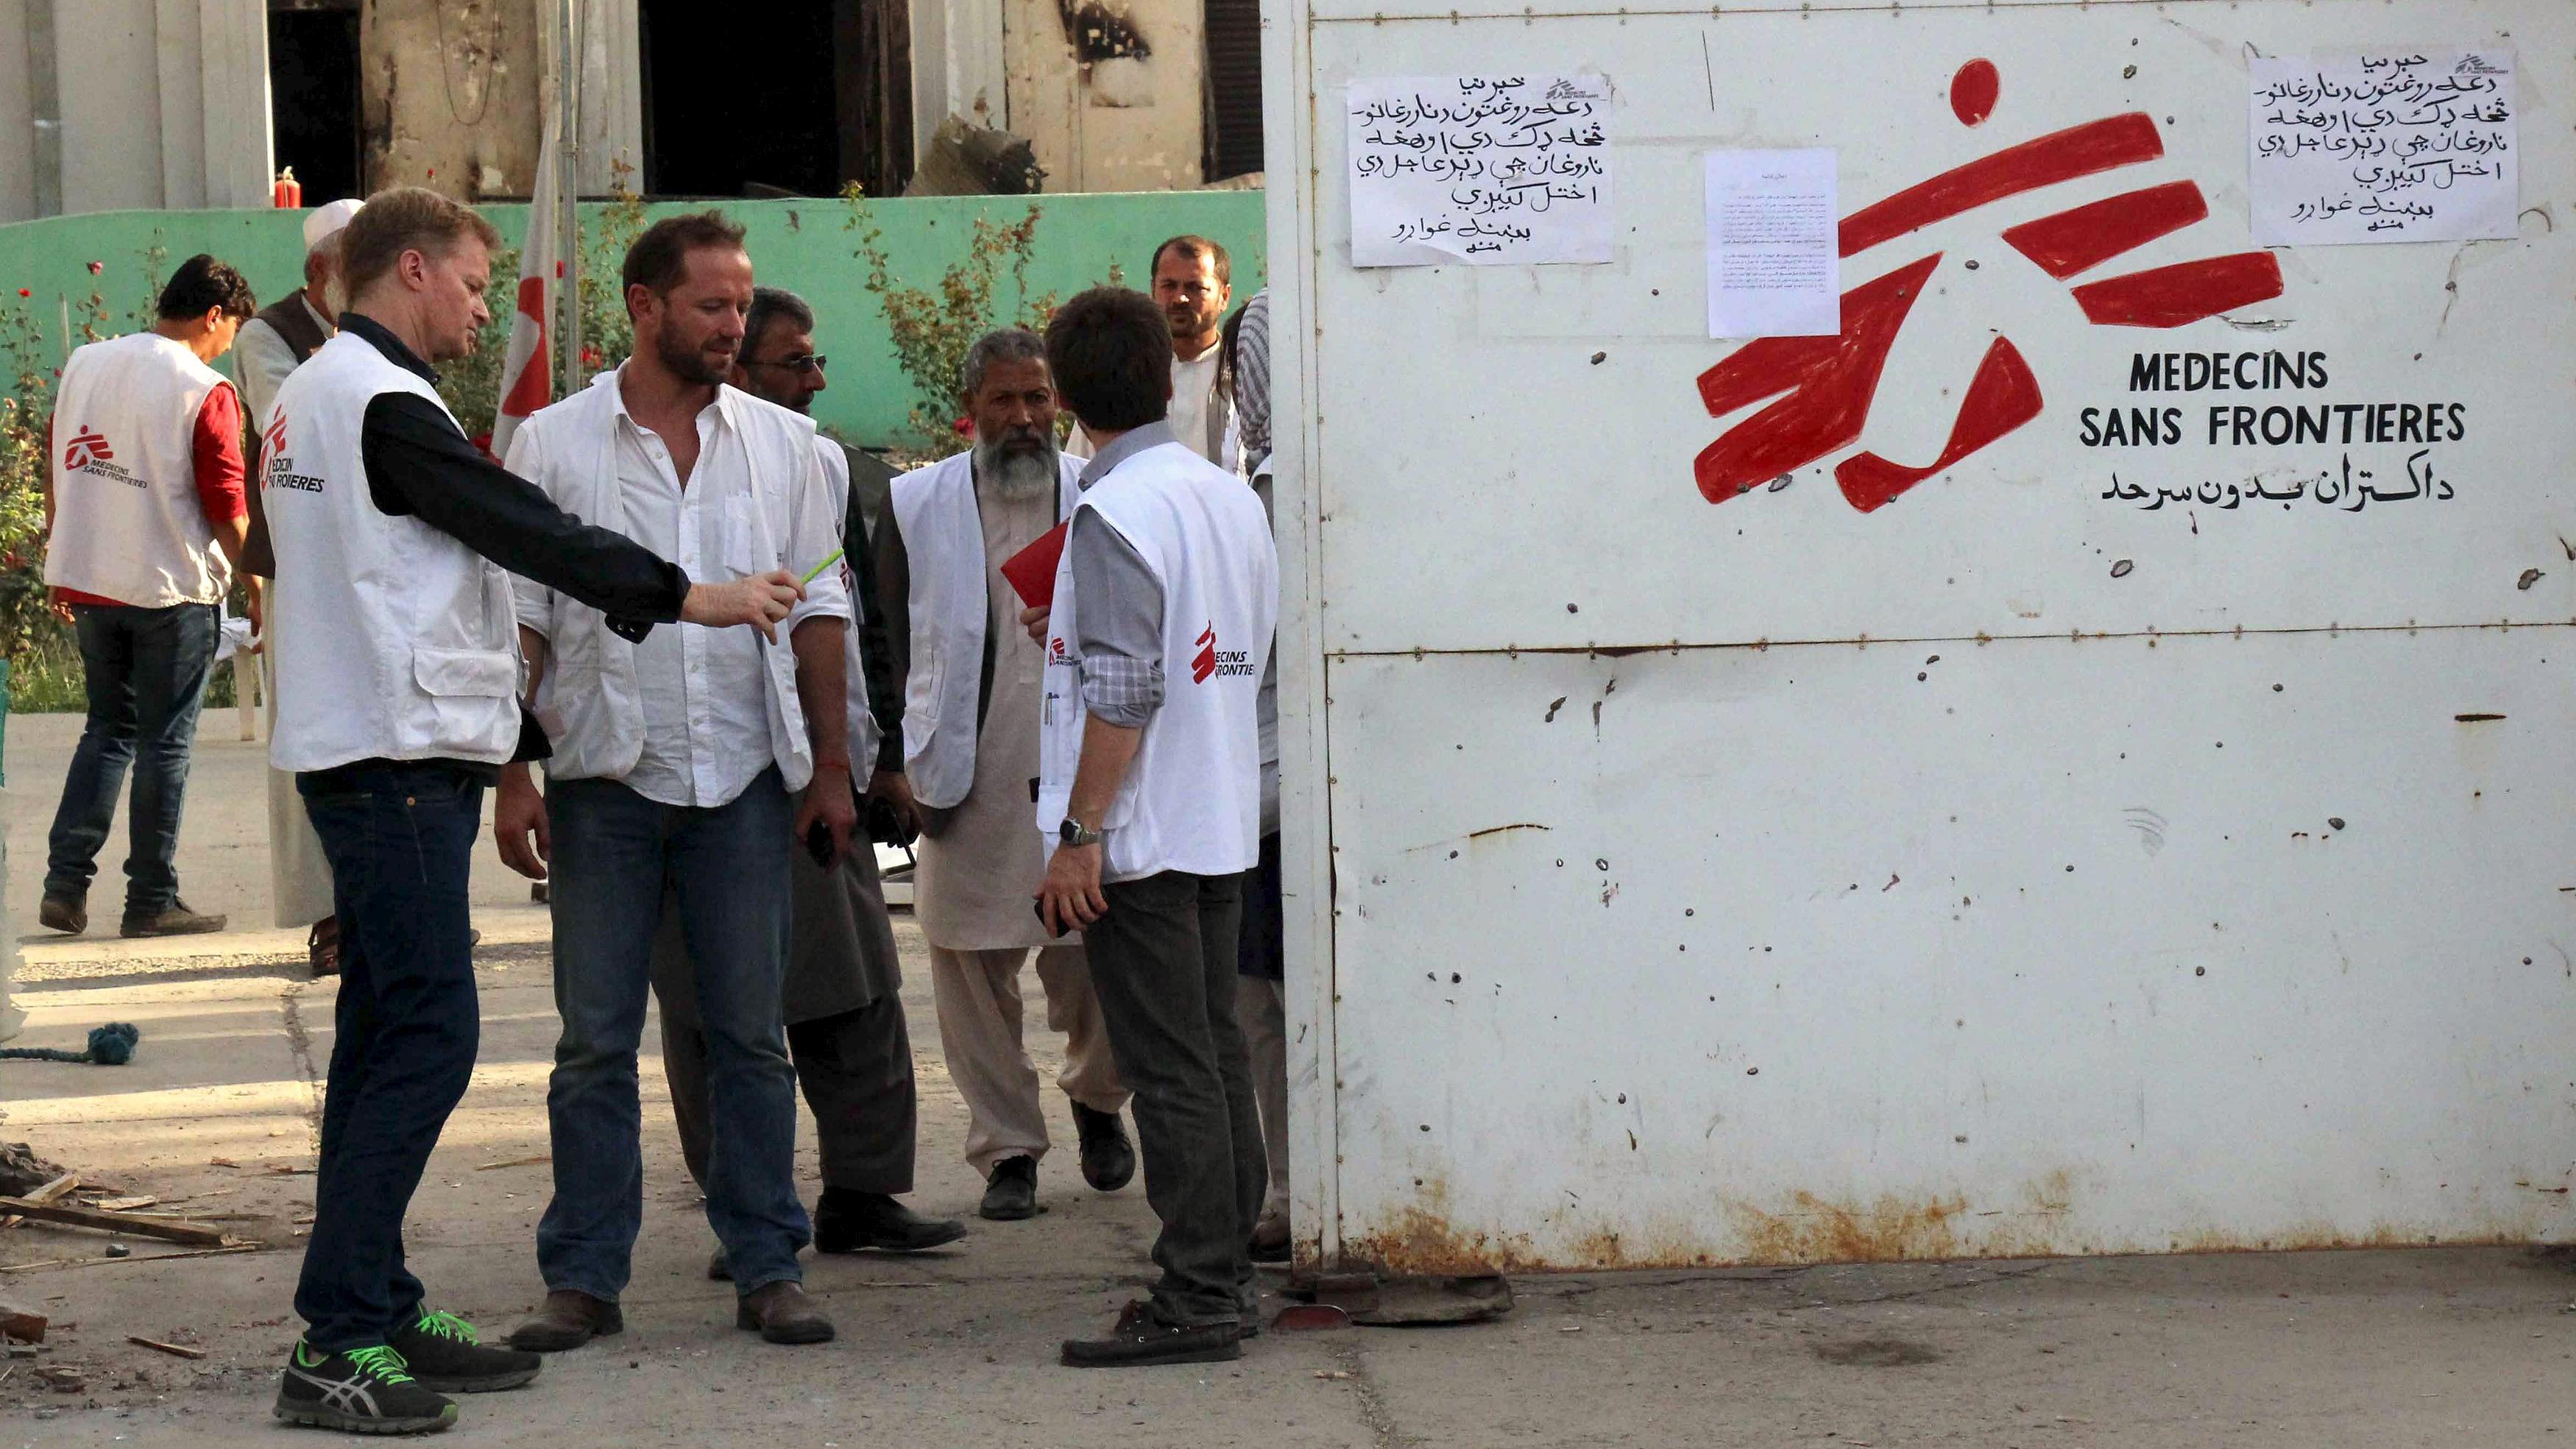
x=127 y=523
x=394 y=640
x=943 y=540
x=1192 y=799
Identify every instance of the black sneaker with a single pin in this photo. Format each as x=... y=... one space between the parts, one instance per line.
x=446 y=1354
x=363 y=1391
x=1011 y=1193
x=1108 y=1158
x=1141 y=1340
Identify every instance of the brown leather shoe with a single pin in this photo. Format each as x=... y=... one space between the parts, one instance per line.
x=783 y=1314
x=568 y=1319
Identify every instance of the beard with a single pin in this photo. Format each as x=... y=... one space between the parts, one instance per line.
x=690 y=364
x=1019 y=469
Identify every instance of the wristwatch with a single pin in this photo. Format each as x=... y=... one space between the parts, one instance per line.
x=1073 y=832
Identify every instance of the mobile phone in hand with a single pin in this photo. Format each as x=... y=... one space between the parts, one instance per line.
x=818 y=843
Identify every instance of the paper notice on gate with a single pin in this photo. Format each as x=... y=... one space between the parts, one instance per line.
x=1032 y=570
x=1774 y=267
x=2385 y=146
x=1487 y=170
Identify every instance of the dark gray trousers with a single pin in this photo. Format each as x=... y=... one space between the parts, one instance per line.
x=856 y=1069
x=1163 y=963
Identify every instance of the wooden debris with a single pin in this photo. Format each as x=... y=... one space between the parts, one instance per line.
x=542 y=1157
x=170 y=1230
x=54 y=1191
x=127 y=1204
x=179 y=1350
x=18 y=1321
x=225 y=1250
x=221 y=1162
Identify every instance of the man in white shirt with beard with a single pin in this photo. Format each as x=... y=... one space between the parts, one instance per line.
x=681 y=763
x=969 y=675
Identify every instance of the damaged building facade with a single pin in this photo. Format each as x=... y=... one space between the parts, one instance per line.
x=791 y=97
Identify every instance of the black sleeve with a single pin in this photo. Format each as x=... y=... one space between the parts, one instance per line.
x=419 y=465
x=885 y=701
x=894 y=599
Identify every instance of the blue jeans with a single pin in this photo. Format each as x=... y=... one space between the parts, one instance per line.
x=614 y=854
x=146 y=672
x=400 y=839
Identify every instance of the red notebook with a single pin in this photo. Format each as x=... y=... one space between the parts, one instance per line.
x=1032 y=570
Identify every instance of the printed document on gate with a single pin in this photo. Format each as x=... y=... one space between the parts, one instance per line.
x=1774 y=264
x=1490 y=170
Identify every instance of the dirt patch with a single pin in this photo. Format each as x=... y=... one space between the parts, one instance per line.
x=1878 y=1353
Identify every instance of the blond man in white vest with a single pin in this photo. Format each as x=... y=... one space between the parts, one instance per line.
x=397 y=705
x=970 y=678
x=1150 y=789
x=146 y=513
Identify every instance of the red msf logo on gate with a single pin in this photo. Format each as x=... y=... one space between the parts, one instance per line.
x=86 y=447
x=1830 y=381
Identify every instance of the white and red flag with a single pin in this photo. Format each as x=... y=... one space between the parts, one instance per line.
x=527 y=378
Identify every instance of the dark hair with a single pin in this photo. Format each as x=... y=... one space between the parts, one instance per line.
x=202 y=284
x=1110 y=353
x=1229 y=340
x=768 y=305
x=659 y=260
x=404 y=219
x=1194 y=247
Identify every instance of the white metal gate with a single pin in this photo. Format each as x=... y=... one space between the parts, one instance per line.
x=2061 y=858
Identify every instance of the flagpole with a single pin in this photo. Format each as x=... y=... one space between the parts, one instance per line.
x=568 y=199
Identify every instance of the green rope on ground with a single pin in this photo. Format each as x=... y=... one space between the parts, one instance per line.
x=111 y=1045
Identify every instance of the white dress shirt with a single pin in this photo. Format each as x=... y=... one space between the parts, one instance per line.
x=706 y=723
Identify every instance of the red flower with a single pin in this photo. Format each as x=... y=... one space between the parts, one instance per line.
x=965 y=427
x=23 y=292
x=97 y=267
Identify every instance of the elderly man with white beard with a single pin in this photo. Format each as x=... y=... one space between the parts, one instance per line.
x=969 y=675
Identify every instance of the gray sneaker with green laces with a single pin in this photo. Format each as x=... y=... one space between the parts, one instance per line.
x=362 y=1391
x=445 y=1353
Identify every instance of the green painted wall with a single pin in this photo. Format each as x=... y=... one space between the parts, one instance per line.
x=803 y=245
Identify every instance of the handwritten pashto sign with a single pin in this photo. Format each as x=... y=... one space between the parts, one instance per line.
x=2384 y=147
x=1491 y=170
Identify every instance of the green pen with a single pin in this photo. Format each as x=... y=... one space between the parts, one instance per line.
x=817 y=570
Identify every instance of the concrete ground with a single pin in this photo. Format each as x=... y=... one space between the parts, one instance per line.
x=216 y=1117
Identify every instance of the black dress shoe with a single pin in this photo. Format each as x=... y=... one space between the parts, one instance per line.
x=1108 y=1158
x=852 y=1222
x=1012 y=1192
x=1141 y=1340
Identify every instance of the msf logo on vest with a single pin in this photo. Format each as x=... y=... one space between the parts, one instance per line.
x=88 y=452
x=1213 y=662
x=281 y=468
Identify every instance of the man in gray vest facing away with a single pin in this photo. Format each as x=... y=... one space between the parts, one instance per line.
x=272 y=345
x=398 y=681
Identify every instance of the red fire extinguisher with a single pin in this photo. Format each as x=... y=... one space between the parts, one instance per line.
x=288 y=194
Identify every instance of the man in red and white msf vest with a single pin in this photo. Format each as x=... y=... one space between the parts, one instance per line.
x=145 y=516
x=1150 y=788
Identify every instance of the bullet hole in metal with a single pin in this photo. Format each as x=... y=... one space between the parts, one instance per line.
x=1601 y=864
x=2335 y=820
x=2200 y=971
x=1752 y=1071
x=2529 y=577
x=1572 y=610
x=1426 y=1126
x=1935 y=659
x=2121 y=569
x=1623 y=1097
x=1919 y=677
x=1688 y=911
x=1783 y=481
x=1552 y=709
x=1599 y=358
x=2276 y=689
x=2128 y=72
x=1453 y=978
